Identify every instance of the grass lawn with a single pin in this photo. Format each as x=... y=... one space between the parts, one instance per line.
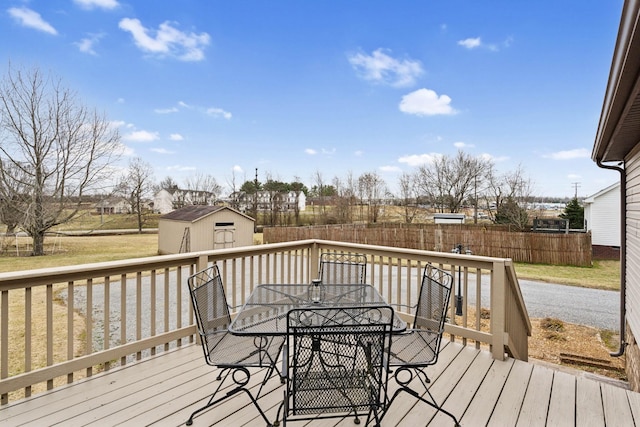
x=73 y=250
x=603 y=274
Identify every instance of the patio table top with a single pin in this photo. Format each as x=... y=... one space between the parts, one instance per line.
x=265 y=311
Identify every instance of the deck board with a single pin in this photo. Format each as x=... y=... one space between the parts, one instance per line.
x=589 y=398
x=165 y=389
x=562 y=403
x=479 y=411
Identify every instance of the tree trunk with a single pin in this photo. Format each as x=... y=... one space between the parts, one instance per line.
x=38 y=244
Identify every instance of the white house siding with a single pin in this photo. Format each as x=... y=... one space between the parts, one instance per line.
x=602 y=214
x=632 y=167
x=163 y=202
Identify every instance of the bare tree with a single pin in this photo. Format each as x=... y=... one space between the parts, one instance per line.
x=318 y=181
x=448 y=181
x=373 y=189
x=54 y=151
x=205 y=184
x=135 y=186
x=409 y=195
x=509 y=193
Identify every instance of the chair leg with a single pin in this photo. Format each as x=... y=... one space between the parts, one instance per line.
x=415 y=394
x=240 y=387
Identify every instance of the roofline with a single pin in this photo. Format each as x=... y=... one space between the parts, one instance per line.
x=621 y=86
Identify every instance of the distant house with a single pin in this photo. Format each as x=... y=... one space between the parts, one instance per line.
x=116 y=205
x=267 y=200
x=201 y=228
x=602 y=219
x=169 y=199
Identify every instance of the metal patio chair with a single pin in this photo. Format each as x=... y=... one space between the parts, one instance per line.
x=338 y=363
x=342 y=268
x=417 y=348
x=233 y=354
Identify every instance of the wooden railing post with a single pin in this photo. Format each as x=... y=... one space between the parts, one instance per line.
x=314 y=260
x=203 y=262
x=498 y=321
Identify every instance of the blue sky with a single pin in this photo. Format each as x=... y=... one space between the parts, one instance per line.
x=296 y=87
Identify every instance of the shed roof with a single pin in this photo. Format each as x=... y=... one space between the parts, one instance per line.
x=591 y=199
x=197 y=212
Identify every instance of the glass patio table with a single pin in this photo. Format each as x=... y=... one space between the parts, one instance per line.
x=265 y=311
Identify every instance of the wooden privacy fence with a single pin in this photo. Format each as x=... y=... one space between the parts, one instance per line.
x=535 y=248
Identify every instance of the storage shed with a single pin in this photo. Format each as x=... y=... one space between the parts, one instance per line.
x=602 y=219
x=449 y=218
x=202 y=228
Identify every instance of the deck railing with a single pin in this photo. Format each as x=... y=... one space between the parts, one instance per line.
x=61 y=324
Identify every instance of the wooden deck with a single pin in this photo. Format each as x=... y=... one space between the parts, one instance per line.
x=479 y=390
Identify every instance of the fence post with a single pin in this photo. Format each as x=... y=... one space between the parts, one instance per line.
x=498 y=322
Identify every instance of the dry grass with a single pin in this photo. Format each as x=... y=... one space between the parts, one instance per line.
x=552 y=338
x=602 y=275
x=73 y=250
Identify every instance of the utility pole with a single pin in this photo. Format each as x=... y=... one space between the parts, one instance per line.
x=575 y=186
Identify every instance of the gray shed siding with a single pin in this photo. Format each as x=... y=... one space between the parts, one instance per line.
x=202 y=232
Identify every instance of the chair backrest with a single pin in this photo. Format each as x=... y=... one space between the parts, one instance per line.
x=210 y=307
x=338 y=360
x=433 y=301
x=342 y=268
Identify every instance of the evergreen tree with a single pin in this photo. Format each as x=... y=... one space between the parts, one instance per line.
x=574 y=213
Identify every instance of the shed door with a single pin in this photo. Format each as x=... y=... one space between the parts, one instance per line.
x=223 y=235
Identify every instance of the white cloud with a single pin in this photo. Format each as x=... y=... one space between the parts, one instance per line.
x=176 y=137
x=219 y=112
x=327 y=152
x=87 y=44
x=382 y=68
x=358 y=153
x=470 y=43
x=126 y=151
x=462 y=145
x=91 y=4
x=181 y=168
x=168 y=41
x=31 y=19
x=165 y=110
x=492 y=158
x=425 y=102
x=578 y=153
x=237 y=168
x=310 y=151
x=141 y=136
x=419 y=159
x=162 y=151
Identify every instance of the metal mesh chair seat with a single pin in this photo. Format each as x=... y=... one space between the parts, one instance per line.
x=248 y=351
x=342 y=268
x=233 y=354
x=337 y=365
x=415 y=347
x=411 y=352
